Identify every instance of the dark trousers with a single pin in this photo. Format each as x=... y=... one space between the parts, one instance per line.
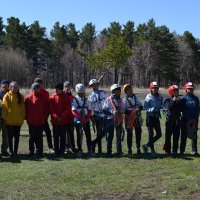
x=138 y=132
x=59 y=136
x=79 y=131
x=36 y=139
x=99 y=133
x=70 y=143
x=153 y=123
x=47 y=131
x=110 y=136
x=13 y=133
x=4 y=145
x=184 y=137
x=172 y=128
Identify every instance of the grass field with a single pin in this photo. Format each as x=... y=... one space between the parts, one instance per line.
x=136 y=177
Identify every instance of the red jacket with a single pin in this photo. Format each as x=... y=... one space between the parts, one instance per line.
x=36 y=109
x=60 y=106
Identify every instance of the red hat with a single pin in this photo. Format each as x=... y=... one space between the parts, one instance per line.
x=188 y=85
x=153 y=85
x=171 y=89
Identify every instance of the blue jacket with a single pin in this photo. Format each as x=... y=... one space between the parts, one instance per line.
x=190 y=107
x=153 y=104
x=1 y=98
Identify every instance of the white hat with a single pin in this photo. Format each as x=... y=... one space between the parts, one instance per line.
x=115 y=86
x=80 y=88
x=93 y=81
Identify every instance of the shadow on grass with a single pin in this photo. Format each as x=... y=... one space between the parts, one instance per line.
x=22 y=157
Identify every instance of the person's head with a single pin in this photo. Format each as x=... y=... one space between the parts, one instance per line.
x=173 y=91
x=189 y=88
x=94 y=84
x=4 y=85
x=14 y=87
x=35 y=87
x=59 y=88
x=80 y=89
x=67 y=87
x=127 y=88
x=154 y=88
x=116 y=90
x=39 y=81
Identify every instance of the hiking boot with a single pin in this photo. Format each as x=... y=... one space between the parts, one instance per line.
x=145 y=148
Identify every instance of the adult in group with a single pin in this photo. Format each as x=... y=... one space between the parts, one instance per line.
x=13 y=115
x=70 y=142
x=4 y=88
x=112 y=109
x=189 y=120
x=47 y=129
x=153 y=105
x=133 y=107
x=172 y=107
x=60 y=110
x=37 y=111
x=97 y=99
x=81 y=110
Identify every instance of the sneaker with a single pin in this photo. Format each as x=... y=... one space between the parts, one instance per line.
x=195 y=153
x=5 y=153
x=51 y=151
x=145 y=148
x=153 y=153
x=80 y=154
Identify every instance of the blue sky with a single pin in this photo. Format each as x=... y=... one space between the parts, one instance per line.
x=178 y=15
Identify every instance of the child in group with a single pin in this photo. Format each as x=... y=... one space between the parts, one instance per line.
x=82 y=111
x=60 y=110
x=172 y=107
x=97 y=99
x=113 y=111
x=189 y=120
x=13 y=115
x=37 y=111
x=133 y=107
x=153 y=105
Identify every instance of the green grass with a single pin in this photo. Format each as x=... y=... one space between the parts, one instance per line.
x=133 y=177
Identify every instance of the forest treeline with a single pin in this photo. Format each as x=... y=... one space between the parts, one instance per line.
x=155 y=53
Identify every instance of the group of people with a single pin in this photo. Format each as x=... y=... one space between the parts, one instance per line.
x=105 y=114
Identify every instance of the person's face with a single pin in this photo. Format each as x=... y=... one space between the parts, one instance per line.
x=4 y=87
x=81 y=94
x=176 y=92
x=155 y=90
x=117 y=92
x=129 y=91
x=95 y=86
x=36 y=90
x=14 y=88
x=67 y=89
x=190 y=91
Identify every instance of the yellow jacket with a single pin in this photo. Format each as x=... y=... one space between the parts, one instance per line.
x=13 y=113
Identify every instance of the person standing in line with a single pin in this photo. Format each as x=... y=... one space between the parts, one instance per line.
x=4 y=88
x=153 y=105
x=70 y=142
x=97 y=99
x=133 y=107
x=60 y=110
x=172 y=107
x=113 y=110
x=37 y=111
x=190 y=118
x=82 y=111
x=13 y=114
x=47 y=129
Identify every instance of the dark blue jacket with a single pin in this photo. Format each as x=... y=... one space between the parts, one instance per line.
x=190 y=107
x=1 y=98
